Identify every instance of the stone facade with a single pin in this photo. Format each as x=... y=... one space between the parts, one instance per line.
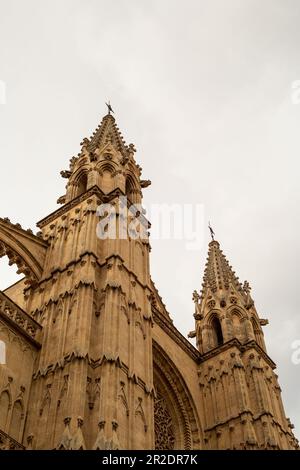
x=93 y=360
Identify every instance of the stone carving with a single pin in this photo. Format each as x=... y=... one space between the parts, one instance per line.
x=15 y=313
x=95 y=298
x=100 y=443
x=145 y=183
x=8 y=443
x=163 y=425
x=64 y=389
x=47 y=398
x=66 y=438
x=15 y=258
x=93 y=391
x=124 y=306
x=249 y=301
x=77 y=441
x=122 y=396
x=139 y=411
x=196 y=299
x=139 y=321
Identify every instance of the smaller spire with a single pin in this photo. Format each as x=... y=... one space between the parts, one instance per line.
x=218 y=273
x=107 y=132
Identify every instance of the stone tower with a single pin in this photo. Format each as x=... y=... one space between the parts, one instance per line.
x=93 y=359
x=243 y=406
x=93 y=293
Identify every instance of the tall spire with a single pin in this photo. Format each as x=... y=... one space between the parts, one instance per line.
x=218 y=274
x=104 y=150
x=223 y=298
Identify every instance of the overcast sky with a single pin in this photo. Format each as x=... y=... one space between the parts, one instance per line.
x=204 y=90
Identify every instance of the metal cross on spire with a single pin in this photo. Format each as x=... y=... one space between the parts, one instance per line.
x=110 y=110
x=212 y=233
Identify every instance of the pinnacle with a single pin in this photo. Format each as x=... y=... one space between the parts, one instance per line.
x=218 y=274
x=107 y=131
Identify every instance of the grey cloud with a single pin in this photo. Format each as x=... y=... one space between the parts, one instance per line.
x=204 y=91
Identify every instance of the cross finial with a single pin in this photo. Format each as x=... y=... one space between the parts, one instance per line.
x=212 y=233
x=110 y=110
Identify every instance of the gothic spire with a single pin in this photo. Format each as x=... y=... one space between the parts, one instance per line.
x=107 y=132
x=218 y=274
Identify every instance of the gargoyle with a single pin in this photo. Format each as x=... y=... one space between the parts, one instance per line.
x=65 y=173
x=145 y=183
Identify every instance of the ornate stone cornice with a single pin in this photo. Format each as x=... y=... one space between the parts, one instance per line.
x=254 y=345
x=95 y=190
x=78 y=260
x=19 y=319
x=94 y=364
x=172 y=331
x=58 y=271
x=254 y=418
x=28 y=233
x=220 y=349
x=129 y=271
x=8 y=443
x=241 y=347
x=157 y=297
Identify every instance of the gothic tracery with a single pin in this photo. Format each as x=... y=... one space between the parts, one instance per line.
x=163 y=424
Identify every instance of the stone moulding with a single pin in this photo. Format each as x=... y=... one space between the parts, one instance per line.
x=170 y=329
x=8 y=443
x=19 y=319
x=242 y=347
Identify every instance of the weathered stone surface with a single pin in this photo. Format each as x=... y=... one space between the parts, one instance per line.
x=93 y=360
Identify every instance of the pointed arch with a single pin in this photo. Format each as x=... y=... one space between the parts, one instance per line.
x=176 y=420
x=106 y=166
x=238 y=311
x=258 y=335
x=236 y=325
x=107 y=173
x=212 y=331
x=240 y=323
x=238 y=318
x=81 y=181
x=82 y=184
x=217 y=333
x=16 y=420
x=5 y=404
x=131 y=187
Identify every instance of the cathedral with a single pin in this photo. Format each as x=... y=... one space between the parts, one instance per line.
x=92 y=358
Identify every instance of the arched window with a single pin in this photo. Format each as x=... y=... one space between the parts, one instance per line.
x=129 y=187
x=82 y=184
x=163 y=424
x=2 y=353
x=217 y=332
x=173 y=406
x=4 y=407
x=237 y=328
x=257 y=333
x=16 y=420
